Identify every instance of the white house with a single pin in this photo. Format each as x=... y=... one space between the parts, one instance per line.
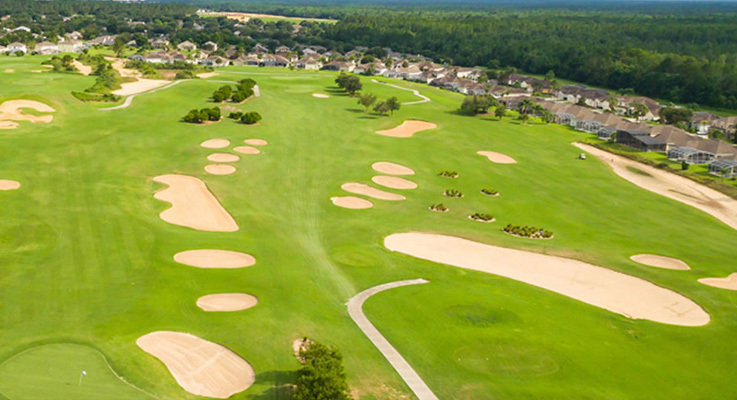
x=46 y=48
x=16 y=47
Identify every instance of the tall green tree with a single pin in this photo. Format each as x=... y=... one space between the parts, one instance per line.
x=322 y=376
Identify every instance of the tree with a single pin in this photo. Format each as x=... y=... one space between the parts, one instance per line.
x=392 y=104
x=250 y=118
x=673 y=115
x=381 y=107
x=581 y=102
x=550 y=76
x=684 y=165
x=523 y=117
x=526 y=106
x=192 y=117
x=473 y=105
x=119 y=46
x=352 y=85
x=640 y=110
x=322 y=375
x=367 y=100
x=500 y=111
x=547 y=116
x=238 y=97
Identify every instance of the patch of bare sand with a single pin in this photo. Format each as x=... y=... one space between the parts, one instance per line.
x=407 y=129
x=206 y=75
x=391 y=168
x=83 y=69
x=193 y=205
x=12 y=110
x=8 y=184
x=119 y=65
x=256 y=142
x=9 y=70
x=223 y=157
x=215 y=143
x=299 y=345
x=219 y=169
x=215 y=259
x=351 y=202
x=320 y=96
x=498 y=158
x=226 y=302
x=393 y=182
x=366 y=190
x=627 y=295
x=247 y=150
x=718 y=205
x=729 y=283
x=199 y=366
x=140 y=86
x=660 y=262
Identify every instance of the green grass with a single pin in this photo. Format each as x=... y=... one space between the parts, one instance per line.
x=84 y=257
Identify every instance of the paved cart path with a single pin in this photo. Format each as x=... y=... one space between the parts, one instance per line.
x=129 y=100
x=408 y=374
x=425 y=99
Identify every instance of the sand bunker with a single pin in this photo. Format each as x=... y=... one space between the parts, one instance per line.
x=366 y=190
x=660 y=262
x=354 y=203
x=214 y=259
x=391 y=168
x=226 y=302
x=193 y=205
x=83 y=69
x=140 y=86
x=729 y=283
x=215 y=143
x=219 y=169
x=256 y=142
x=393 y=182
x=9 y=70
x=200 y=367
x=614 y=291
x=206 y=75
x=119 y=65
x=320 y=96
x=247 y=150
x=498 y=158
x=8 y=185
x=223 y=157
x=407 y=129
x=717 y=204
x=12 y=110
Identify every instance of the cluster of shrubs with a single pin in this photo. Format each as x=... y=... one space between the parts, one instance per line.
x=349 y=83
x=448 y=174
x=243 y=90
x=107 y=79
x=452 y=193
x=199 y=116
x=61 y=64
x=528 y=232
x=248 y=118
x=489 y=192
x=481 y=217
x=440 y=207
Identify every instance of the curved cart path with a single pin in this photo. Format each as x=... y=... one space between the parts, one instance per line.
x=425 y=99
x=355 y=309
x=129 y=99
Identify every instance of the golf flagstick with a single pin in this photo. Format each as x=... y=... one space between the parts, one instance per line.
x=82 y=375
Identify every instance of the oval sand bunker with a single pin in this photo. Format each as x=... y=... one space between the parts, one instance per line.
x=351 y=202
x=256 y=142
x=320 y=95
x=498 y=158
x=226 y=302
x=407 y=129
x=247 y=150
x=214 y=259
x=193 y=205
x=215 y=143
x=660 y=262
x=729 y=283
x=8 y=185
x=366 y=190
x=391 y=168
x=627 y=295
x=199 y=366
x=219 y=169
x=223 y=157
x=393 y=182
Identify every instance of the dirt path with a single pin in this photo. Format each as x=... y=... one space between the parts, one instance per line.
x=408 y=374
x=716 y=204
x=425 y=99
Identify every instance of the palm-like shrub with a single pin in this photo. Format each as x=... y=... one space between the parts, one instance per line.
x=489 y=192
x=448 y=174
x=452 y=193
x=528 y=231
x=440 y=207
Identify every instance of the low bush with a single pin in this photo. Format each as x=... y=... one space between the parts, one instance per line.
x=440 y=207
x=250 y=118
x=185 y=74
x=86 y=96
x=448 y=174
x=481 y=217
x=199 y=116
x=489 y=192
x=527 y=232
x=235 y=115
x=452 y=193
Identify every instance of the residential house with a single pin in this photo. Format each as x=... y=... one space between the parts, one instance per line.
x=273 y=60
x=639 y=140
x=16 y=47
x=160 y=43
x=282 y=50
x=105 y=40
x=187 y=46
x=74 y=36
x=210 y=45
x=47 y=48
x=251 y=61
x=215 y=61
x=259 y=48
x=627 y=106
x=595 y=98
x=340 y=66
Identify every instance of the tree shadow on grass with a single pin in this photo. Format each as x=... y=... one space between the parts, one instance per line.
x=354 y=110
x=281 y=382
x=336 y=92
x=369 y=117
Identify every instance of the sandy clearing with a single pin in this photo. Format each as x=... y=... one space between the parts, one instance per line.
x=227 y=302
x=351 y=202
x=624 y=294
x=193 y=205
x=660 y=262
x=729 y=283
x=9 y=70
x=8 y=184
x=366 y=190
x=8 y=125
x=247 y=150
x=205 y=258
x=83 y=69
x=320 y=96
x=223 y=157
x=119 y=65
x=717 y=204
x=199 y=366
x=391 y=168
x=256 y=142
x=407 y=129
x=140 y=86
x=206 y=75
x=498 y=158
x=393 y=182
x=12 y=110
x=219 y=169
x=215 y=143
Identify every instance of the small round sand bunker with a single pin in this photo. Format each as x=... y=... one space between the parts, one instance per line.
x=223 y=157
x=9 y=70
x=366 y=190
x=247 y=150
x=351 y=202
x=660 y=262
x=498 y=158
x=215 y=259
x=219 y=169
x=226 y=302
x=729 y=283
x=215 y=143
x=256 y=142
x=394 y=182
x=320 y=95
x=407 y=129
x=8 y=185
x=391 y=168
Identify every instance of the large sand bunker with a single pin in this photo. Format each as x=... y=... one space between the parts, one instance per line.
x=8 y=185
x=247 y=150
x=193 y=205
x=83 y=69
x=391 y=168
x=393 y=182
x=200 y=367
x=9 y=70
x=320 y=95
x=119 y=65
x=498 y=158
x=366 y=190
x=223 y=157
x=12 y=110
x=729 y=283
x=407 y=129
x=351 y=202
x=219 y=169
x=660 y=262
x=256 y=142
x=226 y=302
x=717 y=204
x=139 y=86
x=206 y=75
x=214 y=259
x=614 y=291
x=215 y=143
